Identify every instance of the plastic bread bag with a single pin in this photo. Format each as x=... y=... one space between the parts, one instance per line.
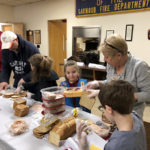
x=69 y=144
x=50 y=119
x=93 y=139
x=16 y=128
x=30 y=102
x=101 y=129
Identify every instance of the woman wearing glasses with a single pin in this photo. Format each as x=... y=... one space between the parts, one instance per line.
x=122 y=65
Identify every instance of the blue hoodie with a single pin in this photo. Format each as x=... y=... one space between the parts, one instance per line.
x=18 y=61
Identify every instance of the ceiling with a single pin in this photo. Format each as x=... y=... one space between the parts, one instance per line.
x=18 y=2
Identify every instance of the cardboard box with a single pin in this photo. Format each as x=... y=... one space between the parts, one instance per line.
x=95 y=109
x=87 y=102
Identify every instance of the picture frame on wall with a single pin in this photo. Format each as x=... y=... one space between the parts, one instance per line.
x=148 y=34
x=37 y=36
x=129 y=32
x=109 y=33
x=30 y=36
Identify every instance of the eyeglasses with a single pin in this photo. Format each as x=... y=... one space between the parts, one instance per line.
x=106 y=43
x=101 y=108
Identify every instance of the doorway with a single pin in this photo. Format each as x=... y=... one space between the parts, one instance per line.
x=57 y=30
x=17 y=28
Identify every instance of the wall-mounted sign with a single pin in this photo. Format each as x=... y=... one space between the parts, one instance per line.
x=103 y=7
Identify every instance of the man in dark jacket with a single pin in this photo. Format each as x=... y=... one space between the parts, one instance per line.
x=15 y=58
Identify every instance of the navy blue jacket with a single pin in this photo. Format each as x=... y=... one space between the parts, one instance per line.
x=18 y=61
x=44 y=82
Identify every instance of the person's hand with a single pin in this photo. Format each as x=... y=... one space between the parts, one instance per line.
x=92 y=85
x=29 y=94
x=20 y=82
x=114 y=78
x=3 y=86
x=93 y=93
x=81 y=128
x=135 y=96
x=18 y=90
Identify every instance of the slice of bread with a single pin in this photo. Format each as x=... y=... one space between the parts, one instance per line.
x=18 y=102
x=8 y=95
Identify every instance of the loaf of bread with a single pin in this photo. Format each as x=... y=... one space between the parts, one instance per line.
x=62 y=131
x=44 y=128
x=18 y=101
x=21 y=110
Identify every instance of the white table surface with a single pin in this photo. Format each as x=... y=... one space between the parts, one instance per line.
x=24 y=141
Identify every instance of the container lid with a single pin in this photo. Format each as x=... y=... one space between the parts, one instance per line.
x=54 y=89
x=53 y=100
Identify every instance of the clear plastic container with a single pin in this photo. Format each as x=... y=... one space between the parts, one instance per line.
x=60 y=99
x=54 y=110
x=50 y=92
x=53 y=97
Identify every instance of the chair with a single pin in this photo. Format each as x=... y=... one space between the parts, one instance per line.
x=147 y=130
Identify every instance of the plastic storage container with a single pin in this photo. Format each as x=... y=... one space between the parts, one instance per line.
x=54 y=110
x=53 y=100
x=52 y=90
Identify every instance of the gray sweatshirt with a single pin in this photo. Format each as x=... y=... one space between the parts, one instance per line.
x=134 y=139
x=136 y=72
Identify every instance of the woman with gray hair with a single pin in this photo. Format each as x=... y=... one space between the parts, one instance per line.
x=122 y=65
